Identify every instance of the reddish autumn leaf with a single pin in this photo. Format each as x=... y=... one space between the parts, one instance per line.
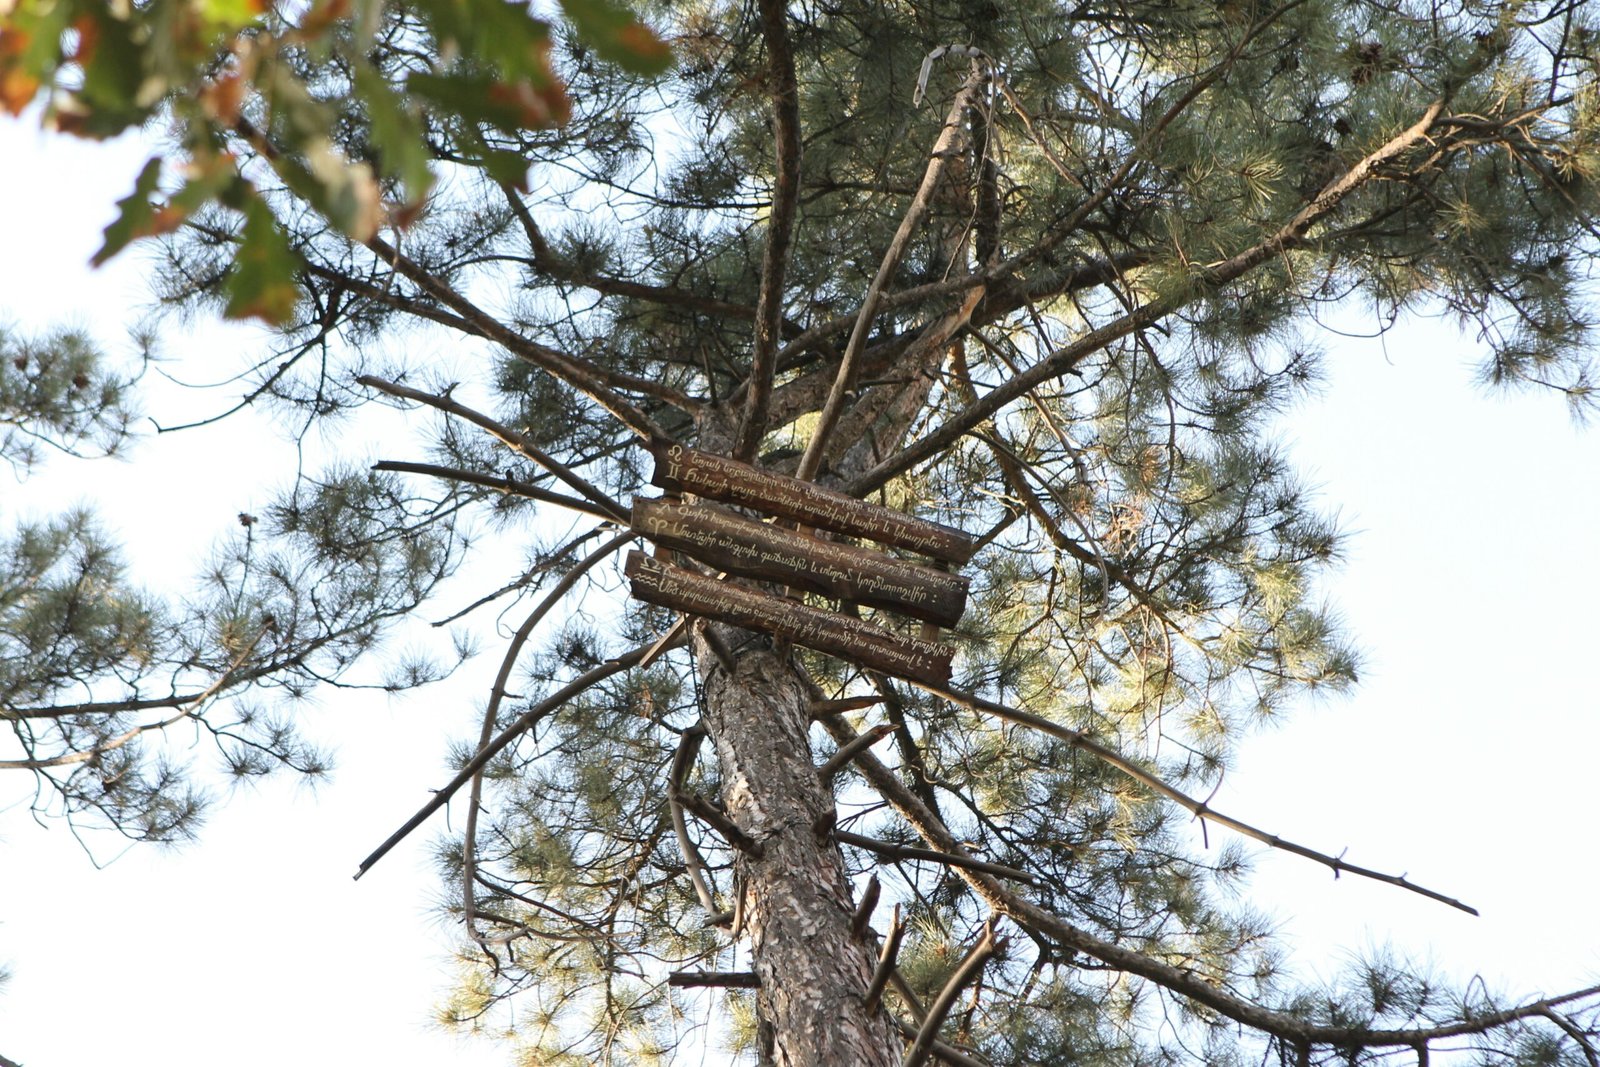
x=222 y=99
x=618 y=36
x=18 y=85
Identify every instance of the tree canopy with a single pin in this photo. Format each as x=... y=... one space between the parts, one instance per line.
x=1043 y=273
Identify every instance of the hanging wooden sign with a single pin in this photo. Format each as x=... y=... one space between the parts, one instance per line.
x=680 y=469
x=730 y=542
x=838 y=635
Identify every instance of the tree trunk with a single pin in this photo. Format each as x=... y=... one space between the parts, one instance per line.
x=797 y=901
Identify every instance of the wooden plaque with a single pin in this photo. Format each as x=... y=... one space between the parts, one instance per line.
x=680 y=469
x=730 y=542
x=849 y=639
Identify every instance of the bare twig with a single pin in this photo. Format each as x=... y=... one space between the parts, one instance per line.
x=886 y=960
x=862 y=920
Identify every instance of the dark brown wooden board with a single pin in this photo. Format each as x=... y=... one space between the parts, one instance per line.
x=683 y=470
x=849 y=639
x=731 y=542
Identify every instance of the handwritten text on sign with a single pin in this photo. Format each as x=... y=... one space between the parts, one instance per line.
x=684 y=470
x=838 y=635
x=733 y=543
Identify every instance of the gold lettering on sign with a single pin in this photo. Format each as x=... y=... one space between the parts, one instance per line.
x=680 y=469
x=850 y=639
x=733 y=543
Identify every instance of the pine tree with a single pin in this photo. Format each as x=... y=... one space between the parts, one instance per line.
x=1055 y=304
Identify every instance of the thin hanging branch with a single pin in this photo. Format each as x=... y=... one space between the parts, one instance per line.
x=1198 y=808
x=497 y=695
x=780 y=224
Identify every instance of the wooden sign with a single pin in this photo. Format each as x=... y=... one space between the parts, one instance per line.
x=838 y=635
x=730 y=542
x=680 y=469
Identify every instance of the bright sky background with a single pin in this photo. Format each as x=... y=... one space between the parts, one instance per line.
x=1466 y=758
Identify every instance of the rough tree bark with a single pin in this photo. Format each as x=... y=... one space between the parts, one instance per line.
x=798 y=903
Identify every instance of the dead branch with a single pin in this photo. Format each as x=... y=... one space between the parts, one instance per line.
x=627 y=661
x=493 y=481
x=497 y=695
x=504 y=434
x=845 y=377
x=780 y=223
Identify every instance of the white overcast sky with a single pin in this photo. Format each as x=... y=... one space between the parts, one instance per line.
x=1467 y=757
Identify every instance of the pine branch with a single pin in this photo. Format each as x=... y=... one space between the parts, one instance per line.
x=965 y=973
x=1177 y=980
x=192 y=709
x=846 y=752
x=1064 y=359
x=944 y=1052
x=949 y=859
x=580 y=374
